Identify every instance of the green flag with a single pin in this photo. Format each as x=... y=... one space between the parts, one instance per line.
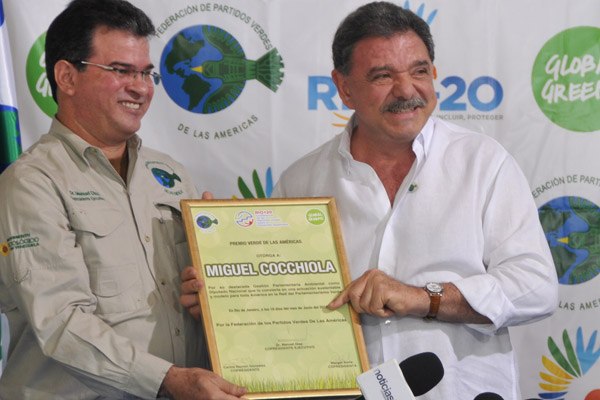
x=10 y=138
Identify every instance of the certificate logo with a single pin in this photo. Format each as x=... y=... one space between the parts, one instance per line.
x=207 y=222
x=315 y=217
x=244 y=219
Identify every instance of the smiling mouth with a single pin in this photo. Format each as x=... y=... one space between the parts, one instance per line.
x=403 y=110
x=133 y=106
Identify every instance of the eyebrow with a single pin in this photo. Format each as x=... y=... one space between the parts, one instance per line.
x=387 y=67
x=125 y=65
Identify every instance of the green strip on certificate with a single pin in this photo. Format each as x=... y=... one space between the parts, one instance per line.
x=270 y=268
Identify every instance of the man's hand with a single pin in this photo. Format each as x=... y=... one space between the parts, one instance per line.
x=189 y=289
x=198 y=384
x=378 y=294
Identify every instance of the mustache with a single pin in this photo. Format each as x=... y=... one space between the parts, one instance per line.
x=403 y=105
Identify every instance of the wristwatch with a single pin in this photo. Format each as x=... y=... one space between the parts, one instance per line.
x=435 y=291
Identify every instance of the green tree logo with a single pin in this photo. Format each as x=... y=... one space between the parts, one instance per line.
x=37 y=80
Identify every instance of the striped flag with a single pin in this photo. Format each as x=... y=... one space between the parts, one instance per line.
x=10 y=137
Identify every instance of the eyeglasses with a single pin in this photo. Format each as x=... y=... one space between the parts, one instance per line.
x=129 y=74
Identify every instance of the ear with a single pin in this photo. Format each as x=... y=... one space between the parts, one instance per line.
x=341 y=82
x=65 y=75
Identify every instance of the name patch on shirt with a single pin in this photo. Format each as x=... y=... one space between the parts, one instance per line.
x=23 y=241
x=88 y=195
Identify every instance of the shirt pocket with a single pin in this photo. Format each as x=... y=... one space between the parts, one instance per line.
x=101 y=235
x=109 y=251
x=117 y=288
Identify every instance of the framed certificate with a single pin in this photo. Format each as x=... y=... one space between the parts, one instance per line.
x=270 y=267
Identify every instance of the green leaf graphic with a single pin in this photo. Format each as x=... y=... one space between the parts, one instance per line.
x=244 y=189
x=559 y=357
x=571 y=352
x=260 y=193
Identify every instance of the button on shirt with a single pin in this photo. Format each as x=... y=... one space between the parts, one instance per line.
x=464 y=214
x=90 y=271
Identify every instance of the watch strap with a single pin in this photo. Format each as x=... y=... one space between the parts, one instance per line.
x=434 y=305
x=435 y=291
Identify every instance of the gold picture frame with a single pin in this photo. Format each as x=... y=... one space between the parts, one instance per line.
x=270 y=267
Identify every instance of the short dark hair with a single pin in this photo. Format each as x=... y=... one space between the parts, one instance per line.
x=69 y=36
x=377 y=19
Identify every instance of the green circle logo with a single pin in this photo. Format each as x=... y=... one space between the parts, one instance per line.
x=315 y=217
x=565 y=79
x=37 y=81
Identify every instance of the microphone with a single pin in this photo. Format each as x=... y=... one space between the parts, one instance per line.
x=422 y=372
x=414 y=376
x=488 y=396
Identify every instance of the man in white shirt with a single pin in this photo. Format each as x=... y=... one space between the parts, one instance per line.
x=438 y=222
x=443 y=238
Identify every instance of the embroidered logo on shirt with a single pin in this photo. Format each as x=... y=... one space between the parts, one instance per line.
x=165 y=175
x=18 y=242
x=86 y=195
x=4 y=249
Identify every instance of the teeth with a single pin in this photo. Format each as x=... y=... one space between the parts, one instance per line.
x=134 y=106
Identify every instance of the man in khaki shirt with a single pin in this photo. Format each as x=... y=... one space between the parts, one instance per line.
x=91 y=237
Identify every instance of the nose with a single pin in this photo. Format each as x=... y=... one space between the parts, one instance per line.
x=140 y=86
x=403 y=88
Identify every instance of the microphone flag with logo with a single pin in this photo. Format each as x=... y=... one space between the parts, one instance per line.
x=414 y=376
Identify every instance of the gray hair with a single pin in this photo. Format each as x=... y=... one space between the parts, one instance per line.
x=377 y=19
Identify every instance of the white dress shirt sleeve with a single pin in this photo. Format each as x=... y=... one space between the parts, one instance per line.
x=520 y=285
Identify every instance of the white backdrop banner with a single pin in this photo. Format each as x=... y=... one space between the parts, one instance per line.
x=247 y=90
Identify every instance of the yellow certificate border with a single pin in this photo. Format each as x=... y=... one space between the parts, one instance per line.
x=190 y=208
